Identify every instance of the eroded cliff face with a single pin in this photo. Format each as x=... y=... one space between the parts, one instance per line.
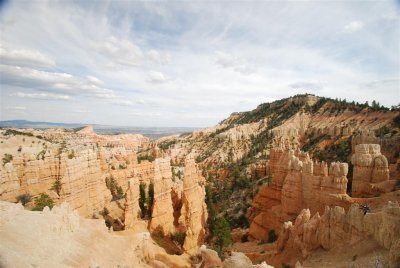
x=82 y=162
x=298 y=182
x=371 y=171
x=194 y=214
x=178 y=203
x=337 y=228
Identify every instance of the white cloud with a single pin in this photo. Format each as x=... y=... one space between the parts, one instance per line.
x=267 y=50
x=18 y=108
x=394 y=82
x=156 y=77
x=53 y=82
x=239 y=65
x=353 y=26
x=120 y=52
x=122 y=102
x=157 y=57
x=42 y=96
x=82 y=111
x=313 y=85
x=24 y=57
x=95 y=80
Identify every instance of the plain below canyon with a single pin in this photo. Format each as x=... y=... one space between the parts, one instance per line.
x=305 y=181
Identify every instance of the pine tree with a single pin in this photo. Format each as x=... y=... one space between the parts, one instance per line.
x=150 y=200
x=222 y=232
x=142 y=198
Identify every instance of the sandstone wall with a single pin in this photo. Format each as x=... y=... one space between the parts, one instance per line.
x=162 y=218
x=194 y=215
x=298 y=182
x=179 y=206
x=371 y=171
x=75 y=159
x=337 y=228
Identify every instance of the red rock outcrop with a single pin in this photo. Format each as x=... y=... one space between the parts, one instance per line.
x=298 y=182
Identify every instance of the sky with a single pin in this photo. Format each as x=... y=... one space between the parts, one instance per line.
x=190 y=63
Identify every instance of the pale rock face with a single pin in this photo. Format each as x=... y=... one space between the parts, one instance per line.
x=210 y=259
x=162 y=218
x=61 y=238
x=178 y=206
x=337 y=228
x=237 y=260
x=371 y=171
x=132 y=209
x=79 y=160
x=194 y=214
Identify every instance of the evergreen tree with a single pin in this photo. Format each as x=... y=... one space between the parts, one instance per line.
x=222 y=232
x=142 y=198
x=150 y=199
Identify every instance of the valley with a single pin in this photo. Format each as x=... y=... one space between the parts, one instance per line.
x=305 y=181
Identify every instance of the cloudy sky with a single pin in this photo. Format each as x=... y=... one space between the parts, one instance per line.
x=190 y=63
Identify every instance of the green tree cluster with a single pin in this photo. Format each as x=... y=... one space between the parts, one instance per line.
x=146 y=200
x=221 y=230
x=44 y=200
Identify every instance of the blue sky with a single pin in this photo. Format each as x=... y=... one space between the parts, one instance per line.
x=190 y=63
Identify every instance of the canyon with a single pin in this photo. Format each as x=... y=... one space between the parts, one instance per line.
x=316 y=174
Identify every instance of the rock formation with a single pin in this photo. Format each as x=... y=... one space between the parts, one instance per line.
x=337 y=228
x=178 y=206
x=210 y=259
x=298 y=182
x=78 y=161
x=194 y=210
x=371 y=171
x=132 y=210
x=61 y=238
x=162 y=218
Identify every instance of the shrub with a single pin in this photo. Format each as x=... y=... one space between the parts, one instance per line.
x=380 y=132
x=56 y=186
x=272 y=236
x=145 y=157
x=120 y=194
x=41 y=154
x=396 y=121
x=16 y=132
x=71 y=155
x=179 y=238
x=166 y=144
x=7 y=158
x=245 y=238
x=24 y=198
x=43 y=201
x=104 y=212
